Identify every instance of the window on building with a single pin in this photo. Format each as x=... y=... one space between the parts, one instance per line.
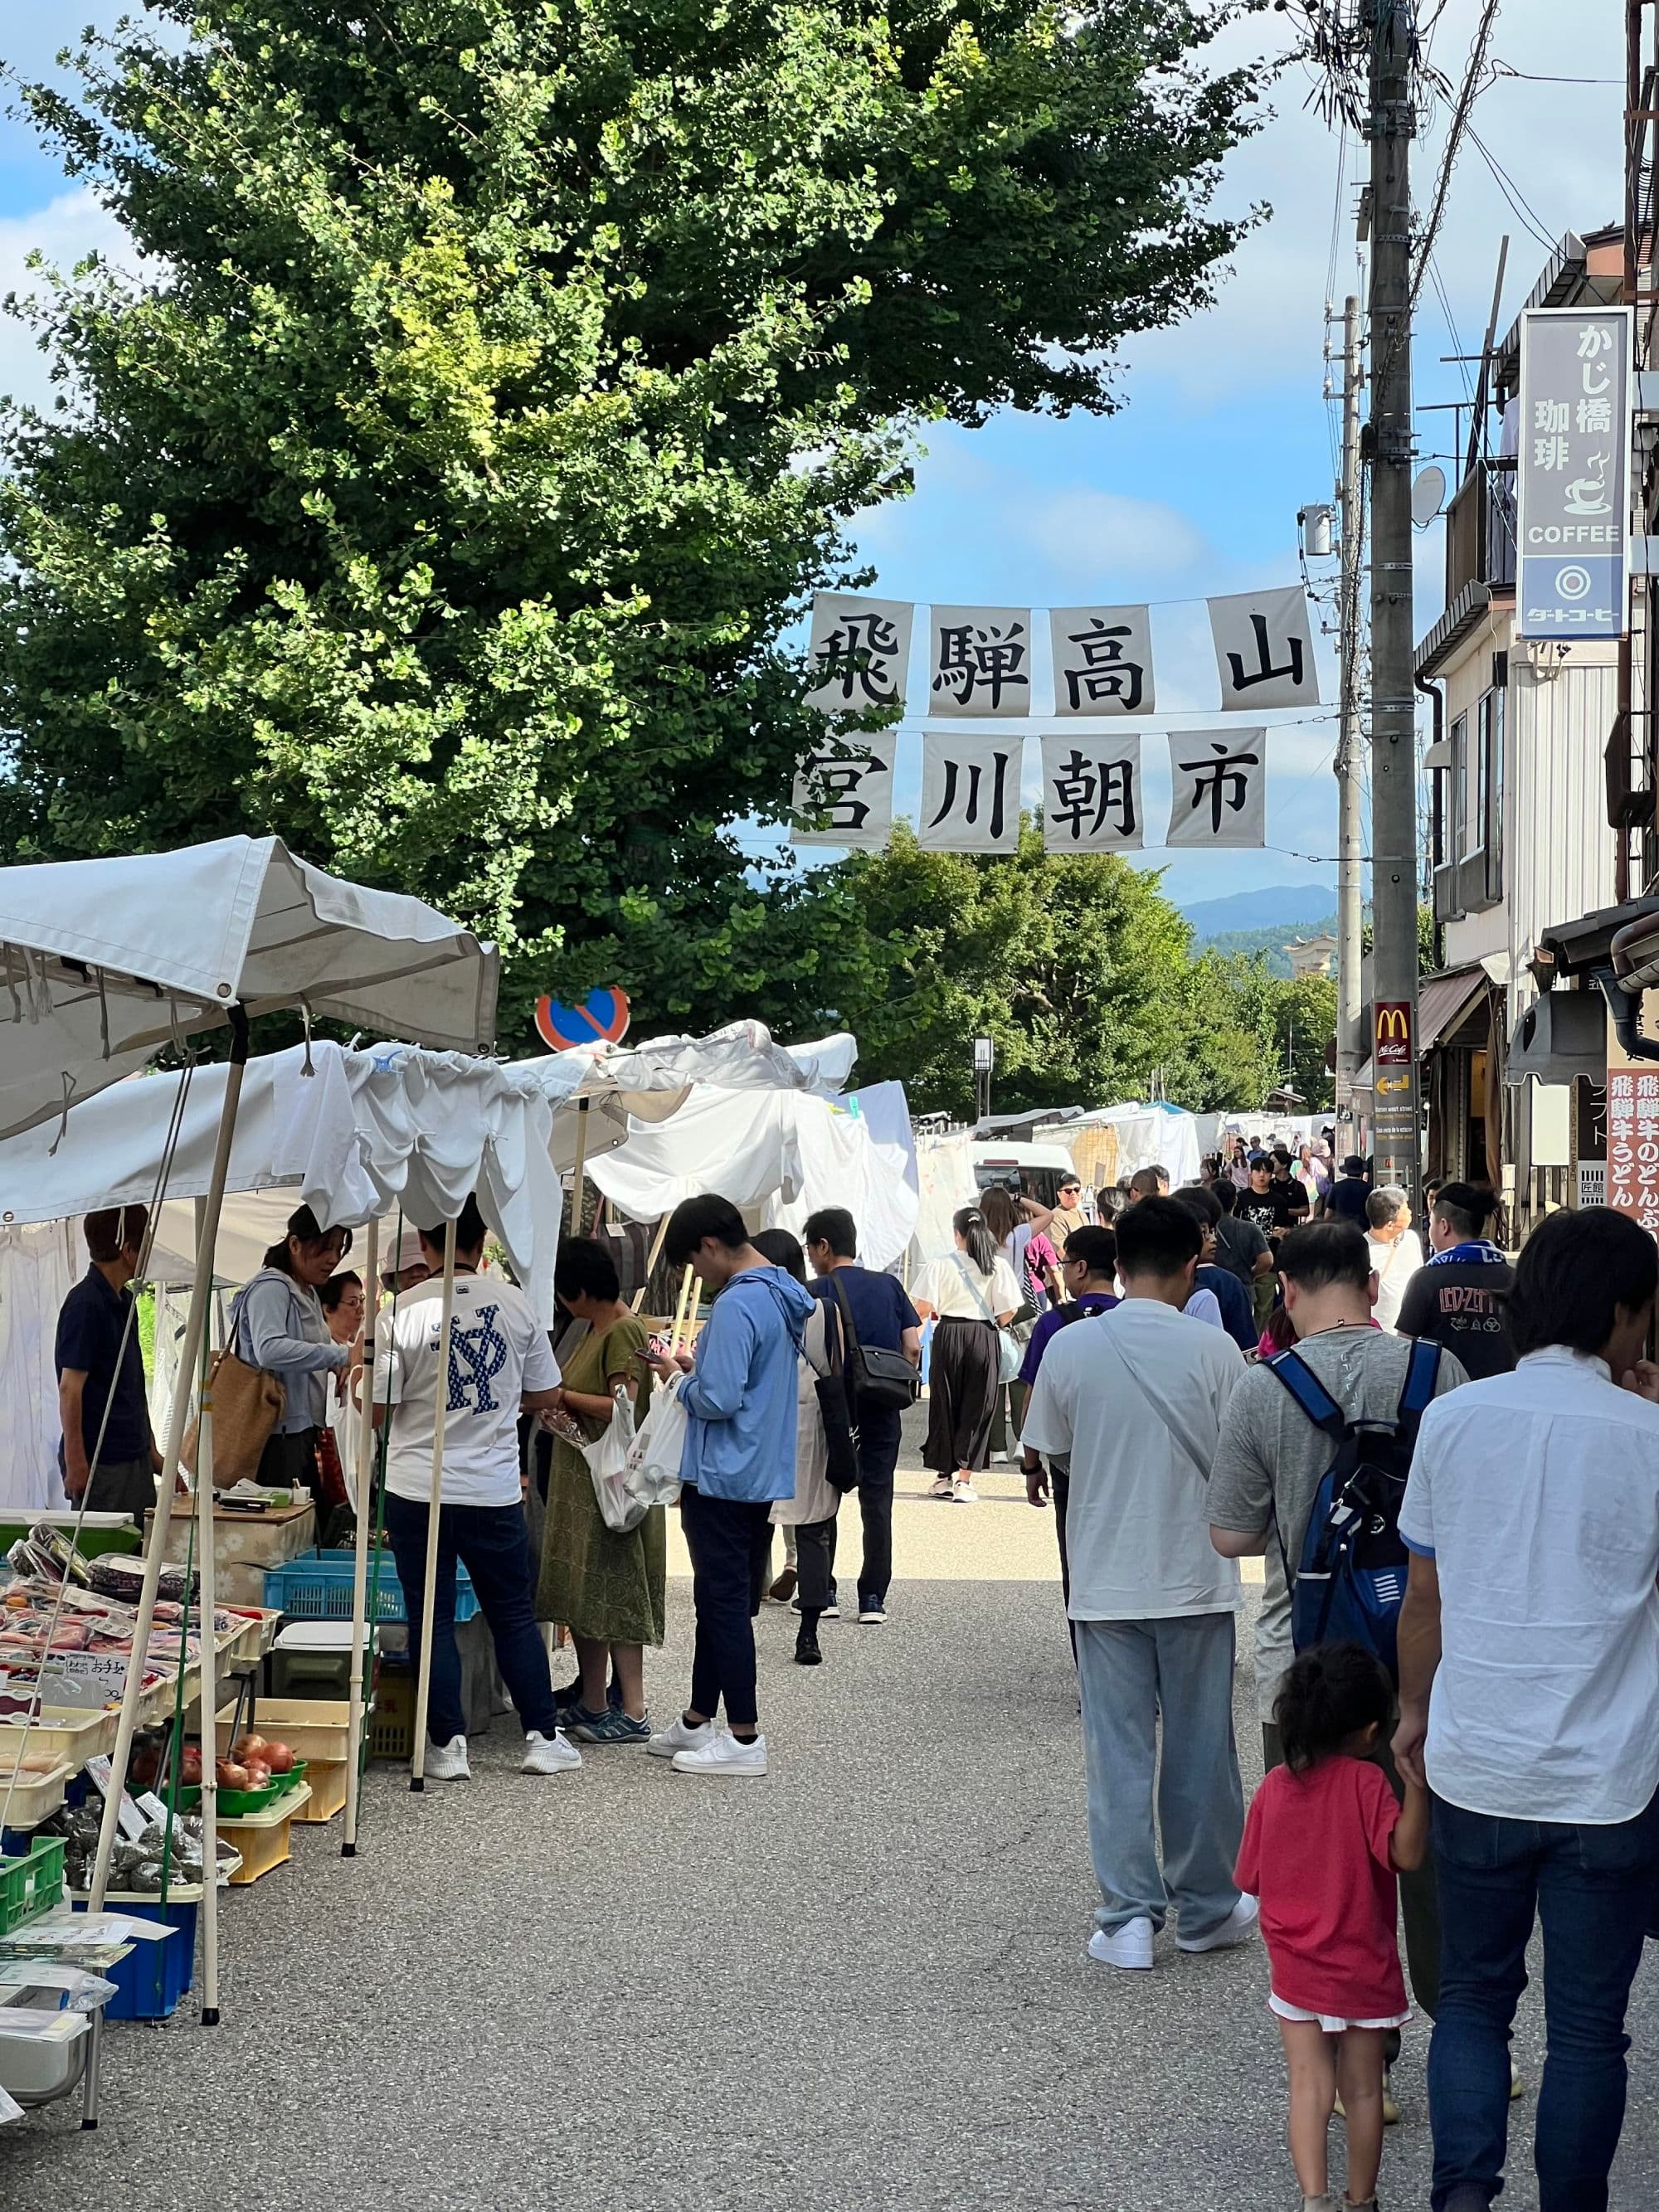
x=1457 y=827
x=1475 y=788
x=1492 y=779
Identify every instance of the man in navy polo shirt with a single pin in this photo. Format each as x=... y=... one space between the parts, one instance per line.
x=100 y=1374
x=885 y=1319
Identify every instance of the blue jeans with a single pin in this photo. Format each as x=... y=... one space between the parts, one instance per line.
x=1592 y=1890
x=491 y=1543
x=1132 y=1672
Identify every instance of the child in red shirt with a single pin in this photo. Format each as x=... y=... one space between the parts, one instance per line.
x=1323 y=1841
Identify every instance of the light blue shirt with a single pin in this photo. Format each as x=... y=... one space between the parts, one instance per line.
x=741 y=1394
x=281 y=1327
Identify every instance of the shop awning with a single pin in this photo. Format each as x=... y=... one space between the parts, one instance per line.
x=1442 y=1001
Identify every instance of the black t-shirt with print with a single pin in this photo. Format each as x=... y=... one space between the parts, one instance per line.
x=1463 y=1305
x=1281 y=1206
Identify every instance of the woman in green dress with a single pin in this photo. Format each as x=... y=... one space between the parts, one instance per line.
x=611 y=1591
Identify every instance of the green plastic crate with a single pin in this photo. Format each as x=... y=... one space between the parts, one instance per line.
x=32 y=1884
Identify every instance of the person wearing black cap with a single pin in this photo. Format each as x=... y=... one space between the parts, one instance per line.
x=1346 y=1199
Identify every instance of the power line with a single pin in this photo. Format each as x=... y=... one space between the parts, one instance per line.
x=1524 y=213
x=1466 y=93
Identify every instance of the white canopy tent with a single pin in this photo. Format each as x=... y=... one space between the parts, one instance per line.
x=106 y=961
x=1151 y=1135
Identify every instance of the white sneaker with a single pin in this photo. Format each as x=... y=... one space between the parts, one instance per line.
x=941 y=1487
x=723 y=1754
x=669 y=1743
x=1237 y=1927
x=963 y=1491
x=554 y=1754
x=447 y=1762
x=1129 y=1947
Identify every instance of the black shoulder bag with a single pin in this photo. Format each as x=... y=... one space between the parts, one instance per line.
x=880 y=1378
x=836 y=1411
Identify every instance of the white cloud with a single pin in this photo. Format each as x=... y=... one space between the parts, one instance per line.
x=65 y=231
x=1097 y=533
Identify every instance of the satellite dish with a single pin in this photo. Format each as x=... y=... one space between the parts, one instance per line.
x=1428 y=496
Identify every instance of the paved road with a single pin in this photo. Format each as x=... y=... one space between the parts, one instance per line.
x=859 y=1983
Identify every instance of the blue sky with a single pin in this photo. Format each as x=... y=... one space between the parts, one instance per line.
x=1193 y=486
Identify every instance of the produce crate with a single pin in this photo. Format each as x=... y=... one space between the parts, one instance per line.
x=327 y=1779
x=26 y=1801
x=319 y=1588
x=312 y=1728
x=32 y=1884
x=264 y=1839
x=99 y=1532
x=66 y=1731
x=391 y=1725
x=153 y=1977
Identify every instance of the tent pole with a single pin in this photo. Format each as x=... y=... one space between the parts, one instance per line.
x=210 y=1696
x=680 y=1310
x=652 y=1258
x=201 y=1292
x=429 y=1599
x=576 y=1172
x=360 y=1566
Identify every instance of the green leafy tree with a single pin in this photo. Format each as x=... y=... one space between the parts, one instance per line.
x=503 y=378
x=1077 y=969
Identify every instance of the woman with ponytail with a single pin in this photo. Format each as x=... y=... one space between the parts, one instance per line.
x=971 y=1293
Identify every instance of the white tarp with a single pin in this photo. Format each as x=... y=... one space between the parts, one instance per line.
x=1156 y=1135
x=38 y=1268
x=107 y=960
x=363 y=1133
x=946 y=1180
x=778 y=1153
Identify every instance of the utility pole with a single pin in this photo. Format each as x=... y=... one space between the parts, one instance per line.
x=1351 y=1048
x=1398 y=1123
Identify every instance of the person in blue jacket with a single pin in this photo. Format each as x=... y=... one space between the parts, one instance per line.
x=739 y=1396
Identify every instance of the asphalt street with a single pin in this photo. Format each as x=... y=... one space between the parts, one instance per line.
x=858 y=1982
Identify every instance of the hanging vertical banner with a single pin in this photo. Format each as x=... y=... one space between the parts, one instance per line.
x=1092 y=801
x=1264 y=650
x=859 y=652
x=1219 y=788
x=979 y=660
x=969 y=794
x=1102 y=660
x=1572 y=473
x=847 y=795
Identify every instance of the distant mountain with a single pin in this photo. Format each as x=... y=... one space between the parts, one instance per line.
x=1290 y=907
x=1271 y=942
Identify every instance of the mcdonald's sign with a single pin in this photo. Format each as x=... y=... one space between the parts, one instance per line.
x=1394 y=1033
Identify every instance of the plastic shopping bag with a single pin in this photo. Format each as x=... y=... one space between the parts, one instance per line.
x=607 y=1462
x=652 y=1476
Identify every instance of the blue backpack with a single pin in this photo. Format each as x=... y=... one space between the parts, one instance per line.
x=1350 y=1582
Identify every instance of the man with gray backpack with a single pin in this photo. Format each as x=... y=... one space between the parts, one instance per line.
x=1295 y=1438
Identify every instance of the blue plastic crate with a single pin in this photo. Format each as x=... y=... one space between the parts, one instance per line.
x=153 y=1977
x=318 y=1587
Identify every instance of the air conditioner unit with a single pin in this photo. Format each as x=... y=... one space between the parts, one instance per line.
x=1562 y=1035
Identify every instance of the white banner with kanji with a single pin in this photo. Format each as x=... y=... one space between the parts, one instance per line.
x=969 y=792
x=859 y=652
x=1091 y=793
x=979 y=661
x=1102 y=660
x=1264 y=650
x=843 y=796
x=1219 y=788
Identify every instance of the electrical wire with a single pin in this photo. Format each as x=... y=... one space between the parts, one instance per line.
x=1468 y=92
x=1524 y=213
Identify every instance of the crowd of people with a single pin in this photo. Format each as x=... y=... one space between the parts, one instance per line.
x=1448 y=1466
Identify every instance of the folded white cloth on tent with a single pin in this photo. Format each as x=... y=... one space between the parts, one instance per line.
x=38 y=1268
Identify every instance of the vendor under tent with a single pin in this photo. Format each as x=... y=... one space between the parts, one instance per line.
x=107 y=960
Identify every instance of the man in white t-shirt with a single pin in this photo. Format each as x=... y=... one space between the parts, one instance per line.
x=500 y=1363
x=1132 y=1399
x=1396 y=1251
x=1529 y=1701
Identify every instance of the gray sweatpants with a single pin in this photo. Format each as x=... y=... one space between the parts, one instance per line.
x=1133 y=1672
